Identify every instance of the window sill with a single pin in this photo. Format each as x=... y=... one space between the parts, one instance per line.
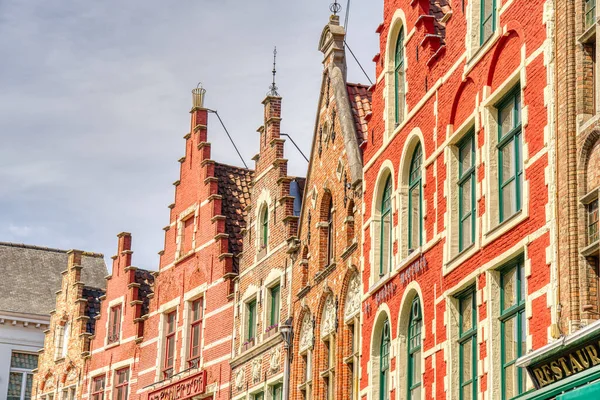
x=261 y=254
x=321 y=275
x=588 y=35
x=460 y=258
x=506 y=225
x=481 y=51
x=112 y=345
x=326 y=373
x=591 y=250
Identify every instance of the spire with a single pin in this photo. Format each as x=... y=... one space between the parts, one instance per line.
x=273 y=87
x=335 y=7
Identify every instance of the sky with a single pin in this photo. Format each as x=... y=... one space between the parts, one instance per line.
x=95 y=99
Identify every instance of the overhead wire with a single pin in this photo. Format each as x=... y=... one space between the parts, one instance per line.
x=294 y=143
x=229 y=136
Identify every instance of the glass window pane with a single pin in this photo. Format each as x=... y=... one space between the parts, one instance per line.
x=386 y=242
x=23 y=360
x=508 y=161
x=466 y=233
x=29 y=385
x=466 y=311
x=511 y=340
x=465 y=156
x=414 y=216
x=593 y=222
x=416 y=367
x=507 y=122
x=415 y=393
x=509 y=200
x=510 y=381
x=466 y=197
x=15 y=381
x=509 y=288
x=467 y=360
x=467 y=392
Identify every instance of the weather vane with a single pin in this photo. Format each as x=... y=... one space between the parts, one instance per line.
x=273 y=87
x=335 y=8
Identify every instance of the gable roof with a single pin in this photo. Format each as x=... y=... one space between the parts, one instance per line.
x=31 y=275
x=145 y=279
x=360 y=101
x=234 y=188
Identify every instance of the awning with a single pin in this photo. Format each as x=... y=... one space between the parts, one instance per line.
x=591 y=391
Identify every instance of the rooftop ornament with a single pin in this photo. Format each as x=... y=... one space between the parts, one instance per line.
x=335 y=8
x=198 y=96
x=273 y=88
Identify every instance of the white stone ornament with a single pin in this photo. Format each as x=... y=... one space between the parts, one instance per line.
x=72 y=374
x=306 y=333
x=275 y=359
x=256 y=369
x=328 y=319
x=352 y=298
x=239 y=379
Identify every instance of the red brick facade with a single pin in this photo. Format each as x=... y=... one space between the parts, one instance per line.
x=326 y=282
x=445 y=88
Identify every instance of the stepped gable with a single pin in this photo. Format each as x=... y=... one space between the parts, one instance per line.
x=234 y=188
x=360 y=101
x=146 y=281
x=20 y=262
x=92 y=306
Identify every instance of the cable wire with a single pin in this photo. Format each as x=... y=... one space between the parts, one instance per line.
x=229 y=136
x=358 y=62
x=294 y=143
x=347 y=16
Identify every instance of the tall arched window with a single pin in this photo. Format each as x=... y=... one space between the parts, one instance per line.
x=264 y=235
x=415 y=200
x=384 y=364
x=399 y=77
x=414 y=350
x=385 y=261
x=330 y=235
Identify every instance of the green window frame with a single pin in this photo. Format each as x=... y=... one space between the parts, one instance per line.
x=277 y=392
x=466 y=191
x=487 y=23
x=265 y=227
x=415 y=327
x=590 y=13
x=259 y=396
x=399 y=83
x=467 y=342
x=385 y=250
x=251 y=329
x=512 y=327
x=275 y=294
x=415 y=193
x=510 y=168
x=384 y=361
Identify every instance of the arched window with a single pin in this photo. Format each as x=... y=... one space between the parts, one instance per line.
x=399 y=77
x=385 y=261
x=264 y=222
x=330 y=236
x=384 y=364
x=65 y=339
x=414 y=350
x=415 y=199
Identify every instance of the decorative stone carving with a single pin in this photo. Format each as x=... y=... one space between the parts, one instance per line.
x=256 y=369
x=49 y=382
x=306 y=333
x=275 y=359
x=239 y=379
x=328 y=319
x=72 y=375
x=352 y=297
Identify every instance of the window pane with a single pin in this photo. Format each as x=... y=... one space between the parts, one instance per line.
x=466 y=311
x=467 y=391
x=465 y=156
x=29 y=385
x=509 y=288
x=23 y=360
x=508 y=161
x=593 y=222
x=416 y=367
x=414 y=216
x=510 y=381
x=509 y=200
x=467 y=361
x=466 y=232
x=466 y=197
x=15 y=381
x=511 y=340
x=415 y=393
x=386 y=226
x=507 y=122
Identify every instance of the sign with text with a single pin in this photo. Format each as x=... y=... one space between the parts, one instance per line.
x=569 y=362
x=185 y=388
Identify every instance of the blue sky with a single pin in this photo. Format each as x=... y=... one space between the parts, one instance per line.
x=95 y=96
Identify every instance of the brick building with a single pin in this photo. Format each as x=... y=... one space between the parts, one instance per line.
x=113 y=362
x=459 y=268
x=61 y=364
x=326 y=282
x=188 y=332
x=263 y=287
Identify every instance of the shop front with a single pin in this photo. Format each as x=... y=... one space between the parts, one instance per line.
x=190 y=387
x=566 y=369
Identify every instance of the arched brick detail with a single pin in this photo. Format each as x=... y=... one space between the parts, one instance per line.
x=590 y=151
x=463 y=103
x=501 y=67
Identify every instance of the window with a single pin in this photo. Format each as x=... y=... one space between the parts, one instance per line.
x=512 y=328
x=590 y=13
x=592 y=221
x=259 y=396
x=21 y=378
x=98 y=388
x=487 y=23
x=415 y=199
x=510 y=170
x=188 y=235
x=399 y=77
x=170 y=329
x=306 y=387
x=264 y=236
x=277 y=392
x=61 y=340
x=353 y=360
x=384 y=363
x=275 y=297
x=385 y=261
x=121 y=383
x=328 y=374
x=330 y=235
x=467 y=342
x=114 y=324
x=414 y=351
x=69 y=393
x=466 y=191
x=251 y=322
x=196 y=333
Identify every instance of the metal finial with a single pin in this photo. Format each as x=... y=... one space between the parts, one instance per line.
x=335 y=8
x=273 y=87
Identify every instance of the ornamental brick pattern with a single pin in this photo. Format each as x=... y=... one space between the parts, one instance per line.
x=264 y=280
x=448 y=83
x=326 y=285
